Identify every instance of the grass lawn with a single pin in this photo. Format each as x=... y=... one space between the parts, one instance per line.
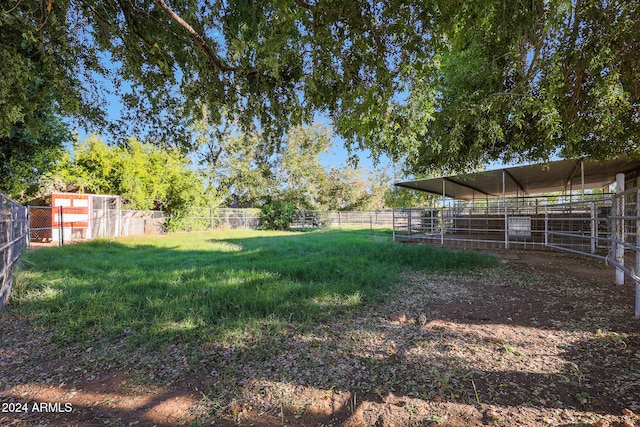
x=214 y=286
x=323 y=328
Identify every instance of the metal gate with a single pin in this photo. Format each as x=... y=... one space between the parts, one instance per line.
x=40 y=225
x=608 y=229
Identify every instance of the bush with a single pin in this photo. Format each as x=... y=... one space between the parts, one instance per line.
x=276 y=215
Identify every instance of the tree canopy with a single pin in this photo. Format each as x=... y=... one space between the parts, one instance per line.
x=442 y=85
x=27 y=155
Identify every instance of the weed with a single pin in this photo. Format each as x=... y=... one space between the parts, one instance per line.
x=435 y=419
x=475 y=391
x=411 y=409
x=583 y=397
x=609 y=337
x=510 y=350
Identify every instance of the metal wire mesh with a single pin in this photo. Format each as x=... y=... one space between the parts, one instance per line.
x=40 y=224
x=582 y=227
x=474 y=226
x=343 y=219
x=211 y=218
x=13 y=239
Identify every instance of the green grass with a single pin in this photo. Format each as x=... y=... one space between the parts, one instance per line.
x=214 y=285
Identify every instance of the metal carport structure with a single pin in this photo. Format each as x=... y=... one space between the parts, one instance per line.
x=562 y=175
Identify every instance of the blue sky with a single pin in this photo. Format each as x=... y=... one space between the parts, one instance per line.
x=337 y=155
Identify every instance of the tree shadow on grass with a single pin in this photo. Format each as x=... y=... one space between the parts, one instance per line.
x=159 y=293
x=202 y=299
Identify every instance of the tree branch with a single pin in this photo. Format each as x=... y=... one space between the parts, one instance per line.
x=96 y=13
x=217 y=62
x=131 y=23
x=336 y=14
x=13 y=8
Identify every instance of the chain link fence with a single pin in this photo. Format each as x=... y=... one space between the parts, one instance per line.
x=227 y=218
x=13 y=239
x=125 y=222
x=51 y=225
x=40 y=224
x=200 y=219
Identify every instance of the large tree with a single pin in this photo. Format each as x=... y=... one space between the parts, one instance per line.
x=526 y=80
x=147 y=177
x=443 y=84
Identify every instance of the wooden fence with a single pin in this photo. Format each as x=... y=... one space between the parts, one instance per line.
x=13 y=239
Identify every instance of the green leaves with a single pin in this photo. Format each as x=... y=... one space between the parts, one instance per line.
x=276 y=214
x=443 y=86
x=146 y=176
x=26 y=155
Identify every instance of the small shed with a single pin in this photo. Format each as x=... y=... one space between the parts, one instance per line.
x=84 y=216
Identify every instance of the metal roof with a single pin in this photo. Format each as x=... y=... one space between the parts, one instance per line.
x=527 y=180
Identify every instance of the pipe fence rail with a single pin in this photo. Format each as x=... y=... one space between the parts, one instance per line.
x=607 y=228
x=582 y=227
x=13 y=240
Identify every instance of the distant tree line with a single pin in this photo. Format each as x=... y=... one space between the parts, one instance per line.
x=244 y=172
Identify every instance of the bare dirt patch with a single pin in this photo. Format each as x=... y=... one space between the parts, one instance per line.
x=544 y=339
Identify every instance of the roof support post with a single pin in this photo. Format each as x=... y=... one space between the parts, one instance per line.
x=506 y=215
x=619 y=237
x=444 y=185
x=393 y=212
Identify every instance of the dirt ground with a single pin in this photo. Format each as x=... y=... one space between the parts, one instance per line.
x=544 y=339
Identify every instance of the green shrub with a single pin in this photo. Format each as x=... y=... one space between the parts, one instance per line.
x=276 y=215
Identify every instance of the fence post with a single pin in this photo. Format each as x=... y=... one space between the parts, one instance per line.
x=339 y=220
x=594 y=234
x=637 y=249
x=620 y=234
x=28 y=227
x=371 y=222
x=393 y=217
x=26 y=231
x=442 y=226
x=60 y=227
x=546 y=225
x=506 y=226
